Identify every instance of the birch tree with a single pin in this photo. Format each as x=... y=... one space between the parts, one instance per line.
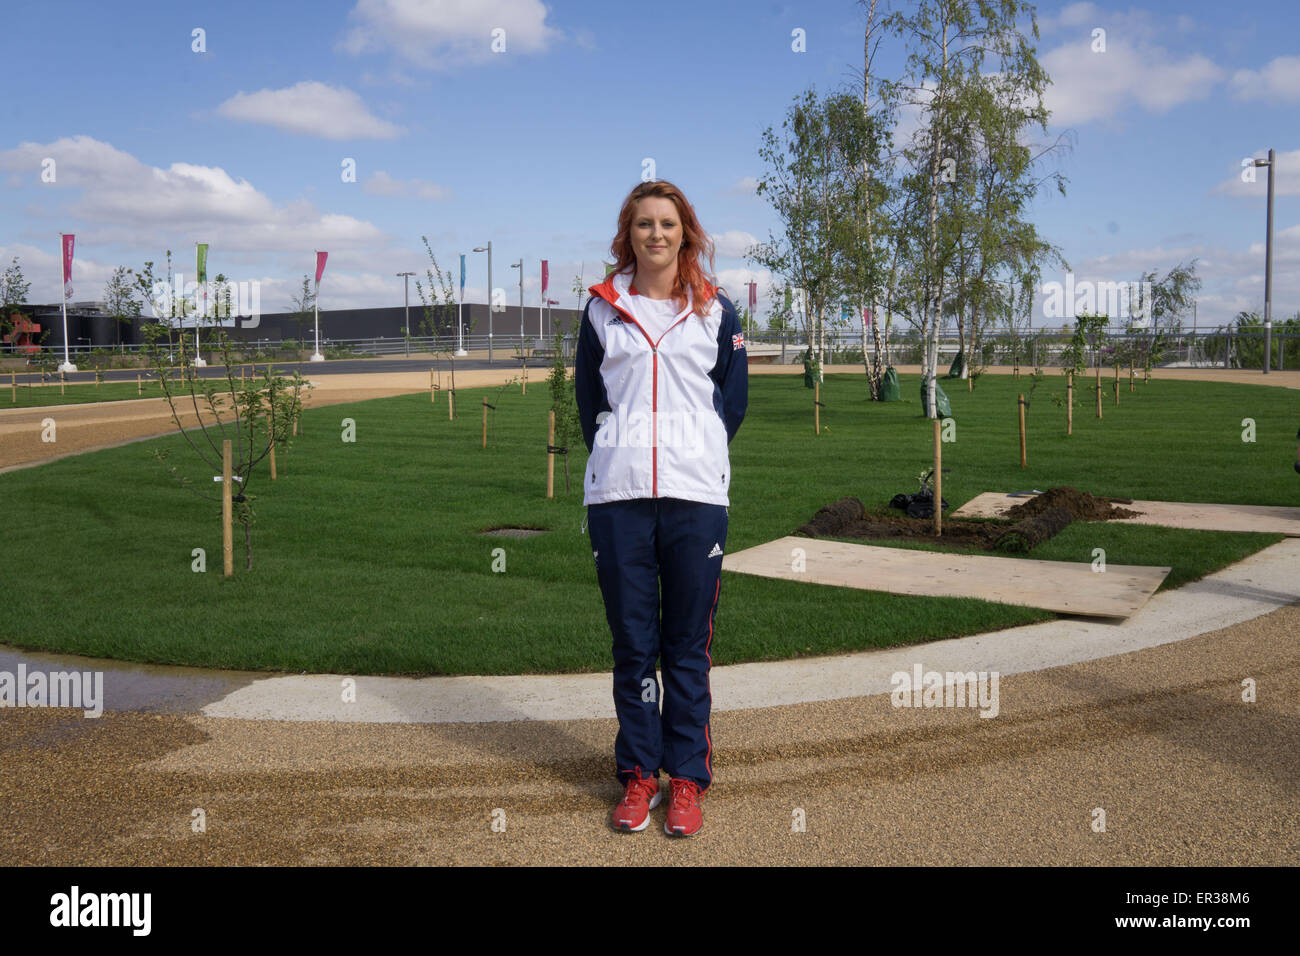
x=950 y=43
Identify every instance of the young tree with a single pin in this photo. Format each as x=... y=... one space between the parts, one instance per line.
x=952 y=44
x=1160 y=310
x=440 y=300
x=798 y=186
x=14 y=289
x=119 y=299
x=253 y=417
x=304 y=309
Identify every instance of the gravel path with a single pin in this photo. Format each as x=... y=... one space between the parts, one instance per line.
x=1160 y=739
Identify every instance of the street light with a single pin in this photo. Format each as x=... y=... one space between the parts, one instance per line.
x=406 y=300
x=520 y=266
x=488 y=250
x=1268 y=263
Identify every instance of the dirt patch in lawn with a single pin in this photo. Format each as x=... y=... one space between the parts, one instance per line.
x=1028 y=525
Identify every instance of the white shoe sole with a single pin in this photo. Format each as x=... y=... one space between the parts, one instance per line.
x=654 y=802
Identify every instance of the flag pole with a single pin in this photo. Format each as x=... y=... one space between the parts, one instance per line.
x=460 y=306
x=201 y=274
x=315 y=301
x=67 y=365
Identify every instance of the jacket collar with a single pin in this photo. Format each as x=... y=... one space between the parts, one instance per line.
x=614 y=290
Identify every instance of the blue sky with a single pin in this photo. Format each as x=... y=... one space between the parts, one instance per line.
x=242 y=146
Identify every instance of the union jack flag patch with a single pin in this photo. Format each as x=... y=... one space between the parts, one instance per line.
x=738 y=341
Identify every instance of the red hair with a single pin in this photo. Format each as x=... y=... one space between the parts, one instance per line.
x=690 y=274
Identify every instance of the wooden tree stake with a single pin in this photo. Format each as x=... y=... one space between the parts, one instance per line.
x=1023 y=451
x=1069 y=403
x=938 y=481
x=550 y=455
x=817 y=408
x=484 y=421
x=227 y=535
x=1099 y=390
x=270 y=428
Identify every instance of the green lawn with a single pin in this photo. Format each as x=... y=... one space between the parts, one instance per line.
x=366 y=560
x=36 y=395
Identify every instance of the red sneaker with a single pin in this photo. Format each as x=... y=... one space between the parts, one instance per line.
x=684 y=814
x=633 y=812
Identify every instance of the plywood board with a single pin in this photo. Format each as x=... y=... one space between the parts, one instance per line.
x=1270 y=519
x=1061 y=586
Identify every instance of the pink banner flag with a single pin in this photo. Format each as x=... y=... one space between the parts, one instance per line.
x=546 y=277
x=866 y=317
x=753 y=295
x=68 y=241
x=320 y=265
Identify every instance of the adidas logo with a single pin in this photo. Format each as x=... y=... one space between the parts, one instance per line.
x=716 y=550
x=615 y=321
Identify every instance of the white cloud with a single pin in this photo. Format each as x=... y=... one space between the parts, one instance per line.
x=1279 y=80
x=746 y=185
x=123 y=200
x=1088 y=86
x=451 y=33
x=1286 y=178
x=732 y=244
x=1232 y=279
x=1074 y=15
x=310 y=108
x=382 y=184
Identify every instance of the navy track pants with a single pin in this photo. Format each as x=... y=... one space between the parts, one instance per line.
x=638 y=545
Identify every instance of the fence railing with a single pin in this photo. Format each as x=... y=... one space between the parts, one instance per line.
x=505 y=348
x=1222 y=348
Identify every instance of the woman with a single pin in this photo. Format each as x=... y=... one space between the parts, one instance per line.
x=662 y=386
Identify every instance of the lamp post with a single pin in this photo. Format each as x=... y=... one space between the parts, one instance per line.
x=488 y=250
x=1268 y=262
x=406 y=304
x=520 y=266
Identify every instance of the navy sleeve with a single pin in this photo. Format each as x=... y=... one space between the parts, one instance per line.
x=731 y=373
x=589 y=387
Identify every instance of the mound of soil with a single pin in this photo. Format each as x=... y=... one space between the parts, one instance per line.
x=1081 y=505
x=1037 y=520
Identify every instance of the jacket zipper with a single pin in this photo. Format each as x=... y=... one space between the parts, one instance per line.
x=654 y=395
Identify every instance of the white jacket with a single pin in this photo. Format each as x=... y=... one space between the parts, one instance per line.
x=657 y=416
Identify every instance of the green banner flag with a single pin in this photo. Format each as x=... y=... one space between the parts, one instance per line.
x=202 y=262
x=787 y=300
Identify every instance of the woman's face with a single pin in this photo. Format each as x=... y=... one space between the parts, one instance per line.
x=656 y=232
